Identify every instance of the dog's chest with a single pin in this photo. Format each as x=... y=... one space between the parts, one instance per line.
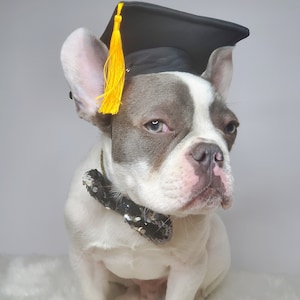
x=147 y=261
x=143 y=263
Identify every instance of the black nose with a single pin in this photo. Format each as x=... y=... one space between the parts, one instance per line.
x=206 y=154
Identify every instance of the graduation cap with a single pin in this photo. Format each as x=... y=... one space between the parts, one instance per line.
x=146 y=38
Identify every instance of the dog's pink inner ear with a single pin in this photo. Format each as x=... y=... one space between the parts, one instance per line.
x=83 y=57
x=219 y=70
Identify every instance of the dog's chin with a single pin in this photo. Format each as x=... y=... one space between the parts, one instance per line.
x=208 y=200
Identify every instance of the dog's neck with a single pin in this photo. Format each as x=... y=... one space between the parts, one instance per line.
x=153 y=226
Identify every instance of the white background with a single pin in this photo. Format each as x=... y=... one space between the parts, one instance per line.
x=42 y=140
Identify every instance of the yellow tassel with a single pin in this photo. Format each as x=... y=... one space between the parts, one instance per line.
x=114 y=70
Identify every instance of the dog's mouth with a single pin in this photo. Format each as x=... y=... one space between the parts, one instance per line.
x=210 y=194
x=209 y=199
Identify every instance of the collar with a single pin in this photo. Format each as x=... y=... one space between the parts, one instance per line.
x=153 y=226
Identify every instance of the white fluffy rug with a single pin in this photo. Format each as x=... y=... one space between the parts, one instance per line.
x=51 y=278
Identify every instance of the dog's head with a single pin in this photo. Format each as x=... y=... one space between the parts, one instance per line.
x=169 y=144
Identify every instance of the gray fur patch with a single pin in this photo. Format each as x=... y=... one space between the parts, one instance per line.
x=162 y=97
x=224 y=119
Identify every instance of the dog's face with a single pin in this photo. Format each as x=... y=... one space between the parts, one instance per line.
x=169 y=143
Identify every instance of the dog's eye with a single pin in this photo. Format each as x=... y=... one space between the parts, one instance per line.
x=231 y=127
x=156 y=126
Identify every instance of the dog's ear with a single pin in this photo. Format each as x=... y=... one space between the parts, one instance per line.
x=219 y=70
x=83 y=57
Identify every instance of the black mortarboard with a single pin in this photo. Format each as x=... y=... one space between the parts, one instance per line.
x=157 y=38
x=146 y=38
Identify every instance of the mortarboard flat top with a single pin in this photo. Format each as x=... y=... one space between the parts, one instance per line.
x=157 y=39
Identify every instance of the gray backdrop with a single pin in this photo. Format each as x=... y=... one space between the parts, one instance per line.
x=42 y=140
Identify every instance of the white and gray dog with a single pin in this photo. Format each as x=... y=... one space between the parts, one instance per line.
x=165 y=155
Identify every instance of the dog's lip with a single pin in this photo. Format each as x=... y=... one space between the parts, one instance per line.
x=208 y=198
x=203 y=198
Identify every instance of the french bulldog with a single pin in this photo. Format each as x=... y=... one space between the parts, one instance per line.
x=167 y=150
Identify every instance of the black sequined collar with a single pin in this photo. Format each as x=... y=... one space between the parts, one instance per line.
x=153 y=226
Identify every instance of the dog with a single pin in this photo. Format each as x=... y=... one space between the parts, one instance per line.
x=167 y=150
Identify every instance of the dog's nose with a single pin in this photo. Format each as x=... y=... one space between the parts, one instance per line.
x=206 y=154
